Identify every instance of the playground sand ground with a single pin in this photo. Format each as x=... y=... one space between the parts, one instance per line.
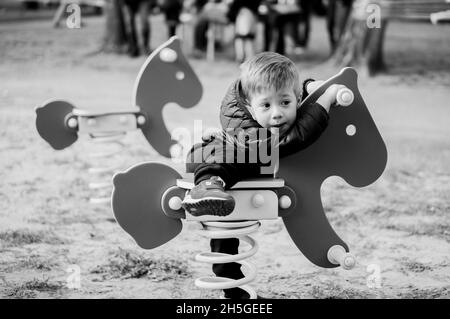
x=399 y=225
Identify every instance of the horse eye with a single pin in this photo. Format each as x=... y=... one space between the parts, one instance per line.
x=350 y=130
x=179 y=75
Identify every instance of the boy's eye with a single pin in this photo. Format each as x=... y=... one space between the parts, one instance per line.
x=286 y=102
x=265 y=105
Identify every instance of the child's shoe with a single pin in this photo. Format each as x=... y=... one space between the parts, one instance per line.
x=238 y=293
x=209 y=198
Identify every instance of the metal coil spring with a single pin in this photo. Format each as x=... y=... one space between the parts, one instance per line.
x=101 y=173
x=240 y=229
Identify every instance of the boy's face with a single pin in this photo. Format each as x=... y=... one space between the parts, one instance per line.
x=274 y=109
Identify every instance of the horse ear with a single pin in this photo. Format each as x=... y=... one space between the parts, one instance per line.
x=165 y=77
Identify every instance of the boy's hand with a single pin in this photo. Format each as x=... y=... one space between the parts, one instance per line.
x=328 y=98
x=210 y=134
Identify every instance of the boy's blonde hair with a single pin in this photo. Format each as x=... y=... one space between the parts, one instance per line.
x=269 y=70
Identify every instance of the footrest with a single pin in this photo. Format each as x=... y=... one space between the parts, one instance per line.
x=255 y=204
x=107 y=123
x=104 y=111
x=266 y=183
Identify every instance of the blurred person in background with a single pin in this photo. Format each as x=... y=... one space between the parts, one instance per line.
x=281 y=19
x=141 y=8
x=338 y=12
x=244 y=15
x=172 y=10
x=307 y=8
x=206 y=11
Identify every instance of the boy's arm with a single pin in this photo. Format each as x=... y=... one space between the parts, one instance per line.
x=312 y=119
x=328 y=98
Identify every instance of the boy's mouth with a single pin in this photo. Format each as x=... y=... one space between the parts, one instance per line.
x=278 y=125
x=279 y=128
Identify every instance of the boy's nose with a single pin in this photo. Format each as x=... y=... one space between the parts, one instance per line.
x=276 y=113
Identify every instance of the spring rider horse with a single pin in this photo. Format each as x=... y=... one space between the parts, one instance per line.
x=58 y=122
x=146 y=199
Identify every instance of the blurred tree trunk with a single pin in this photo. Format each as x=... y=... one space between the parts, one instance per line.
x=115 y=39
x=361 y=44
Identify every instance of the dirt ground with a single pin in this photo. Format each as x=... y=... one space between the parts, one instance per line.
x=400 y=223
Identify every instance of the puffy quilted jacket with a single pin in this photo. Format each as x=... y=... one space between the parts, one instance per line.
x=241 y=131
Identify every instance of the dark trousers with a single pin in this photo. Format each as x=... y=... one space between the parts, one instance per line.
x=231 y=174
x=337 y=16
x=229 y=270
x=200 y=29
x=276 y=26
x=304 y=23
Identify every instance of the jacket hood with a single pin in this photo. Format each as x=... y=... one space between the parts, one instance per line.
x=234 y=111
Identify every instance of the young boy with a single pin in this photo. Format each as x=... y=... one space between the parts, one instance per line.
x=267 y=95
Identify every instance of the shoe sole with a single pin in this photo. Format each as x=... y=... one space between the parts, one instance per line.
x=208 y=206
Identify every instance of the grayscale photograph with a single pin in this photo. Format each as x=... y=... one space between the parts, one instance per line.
x=224 y=149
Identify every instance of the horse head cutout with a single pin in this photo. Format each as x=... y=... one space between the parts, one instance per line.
x=165 y=77
x=351 y=147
